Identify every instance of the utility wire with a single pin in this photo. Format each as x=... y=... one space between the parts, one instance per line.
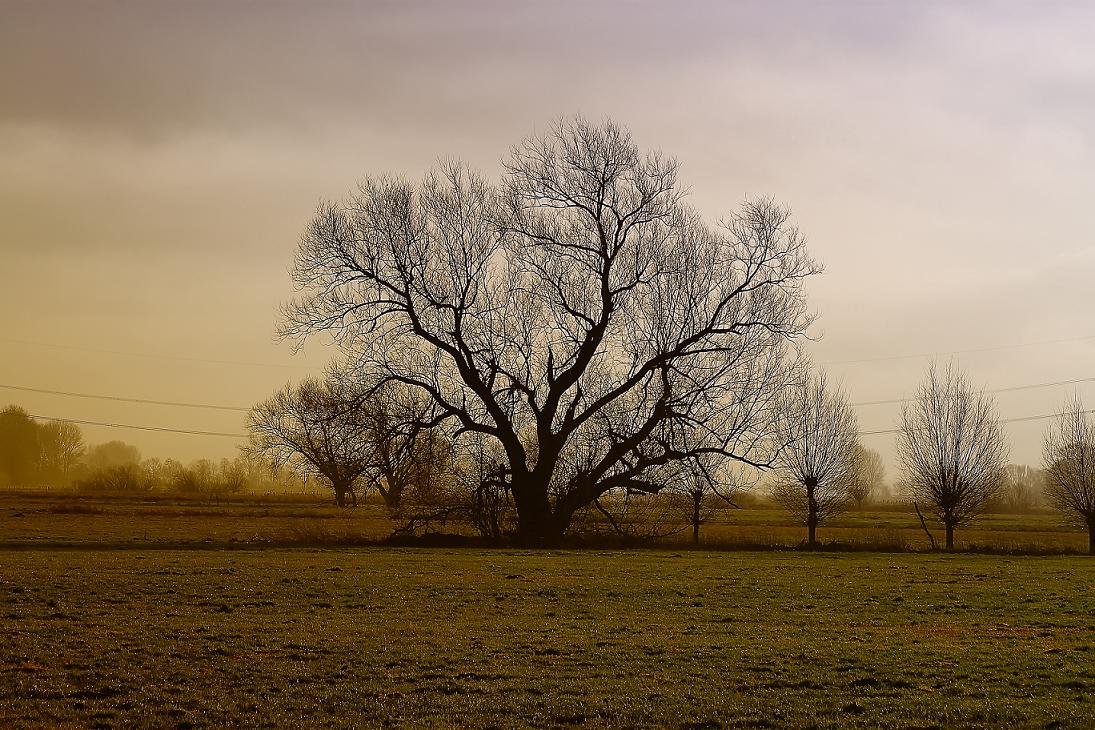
x=210 y=406
x=240 y=435
x=122 y=399
x=1002 y=420
x=993 y=390
x=302 y=366
x=155 y=356
x=958 y=352
x=244 y=409
x=139 y=428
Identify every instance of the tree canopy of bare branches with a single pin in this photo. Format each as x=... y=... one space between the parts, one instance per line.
x=819 y=461
x=952 y=448
x=578 y=313
x=1069 y=459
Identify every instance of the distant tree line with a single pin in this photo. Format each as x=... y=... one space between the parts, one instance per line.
x=56 y=454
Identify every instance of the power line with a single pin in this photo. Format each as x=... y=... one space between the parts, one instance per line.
x=139 y=428
x=244 y=409
x=993 y=390
x=1002 y=420
x=122 y=399
x=958 y=352
x=251 y=363
x=157 y=356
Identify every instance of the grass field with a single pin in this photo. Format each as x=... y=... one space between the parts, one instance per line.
x=58 y=518
x=381 y=636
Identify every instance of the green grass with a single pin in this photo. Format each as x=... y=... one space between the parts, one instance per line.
x=369 y=637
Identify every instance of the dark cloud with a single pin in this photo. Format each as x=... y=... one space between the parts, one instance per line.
x=151 y=69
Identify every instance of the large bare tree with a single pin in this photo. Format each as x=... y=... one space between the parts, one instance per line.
x=820 y=458
x=577 y=313
x=1069 y=455
x=952 y=447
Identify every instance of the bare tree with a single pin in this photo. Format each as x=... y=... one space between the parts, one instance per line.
x=952 y=448
x=462 y=482
x=700 y=501
x=1023 y=488
x=481 y=481
x=1069 y=455
x=869 y=476
x=702 y=490
x=320 y=423
x=407 y=452
x=819 y=461
x=578 y=314
x=638 y=516
x=61 y=447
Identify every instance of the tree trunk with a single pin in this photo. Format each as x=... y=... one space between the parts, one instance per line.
x=950 y=536
x=1091 y=536
x=537 y=527
x=811 y=517
x=392 y=494
x=341 y=490
x=697 y=502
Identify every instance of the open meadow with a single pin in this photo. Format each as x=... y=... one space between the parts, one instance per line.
x=500 y=638
x=65 y=518
x=169 y=610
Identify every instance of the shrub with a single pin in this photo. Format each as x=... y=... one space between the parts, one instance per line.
x=122 y=478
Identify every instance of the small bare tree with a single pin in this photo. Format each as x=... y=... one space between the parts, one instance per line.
x=702 y=491
x=1023 y=489
x=1069 y=455
x=952 y=448
x=819 y=461
x=62 y=446
x=320 y=423
x=407 y=452
x=869 y=476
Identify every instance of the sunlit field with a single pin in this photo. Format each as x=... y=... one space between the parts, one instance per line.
x=471 y=638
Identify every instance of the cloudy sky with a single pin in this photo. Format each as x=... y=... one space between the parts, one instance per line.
x=158 y=162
